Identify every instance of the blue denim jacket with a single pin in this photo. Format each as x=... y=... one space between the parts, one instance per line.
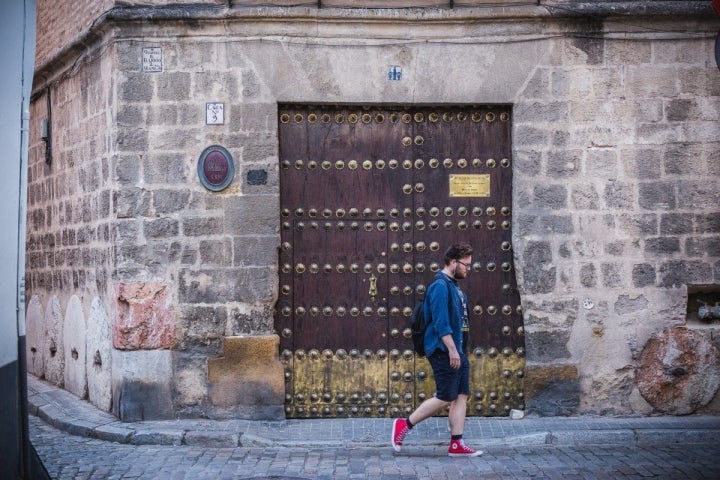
x=445 y=314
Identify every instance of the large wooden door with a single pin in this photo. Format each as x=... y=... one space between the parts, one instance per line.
x=370 y=199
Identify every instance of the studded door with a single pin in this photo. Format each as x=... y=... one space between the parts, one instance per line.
x=370 y=199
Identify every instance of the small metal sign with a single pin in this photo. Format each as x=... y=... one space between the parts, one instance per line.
x=473 y=185
x=216 y=168
x=394 y=73
x=152 y=59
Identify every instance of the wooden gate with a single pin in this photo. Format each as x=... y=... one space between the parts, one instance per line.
x=370 y=199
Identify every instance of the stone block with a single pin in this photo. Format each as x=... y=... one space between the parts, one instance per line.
x=592 y=437
x=190 y=384
x=678 y=371
x=251 y=285
x=539 y=272
x=588 y=275
x=197 y=227
x=643 y=275
x=212 y=439
x=564 y=164
x=612 y=274
x=110 y=433
x=627 y=305
x=657 y=195
x=699 y=194
x=257 y=251
x=547 y=345
x=250 y=321
x=35 y=337
x=681 y=158
x=252 y=214
x=142 y=385
x=552 y=390
x=619 y=195
x=99 y=356
x=216 y=252
x=53 y=351
x=676 y=224
x=699 y=247
x=646 y=224
x=166 y=168
x=249 y=377
x=158 y=437
x=132 y=139
x=74 y=347
x=676 y=273
x=170 y=201
x=161 y=228
x=137 y=87
x=174 y=86
x=550 y=196
x=528 y=162
x=132 y=202
x=143 y=316
x=131 y=115
x=707 y=222
x=203 y=322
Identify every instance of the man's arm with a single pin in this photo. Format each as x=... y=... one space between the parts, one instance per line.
x=452 y=351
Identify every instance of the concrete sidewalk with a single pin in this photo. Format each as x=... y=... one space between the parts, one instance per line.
x=68 y=413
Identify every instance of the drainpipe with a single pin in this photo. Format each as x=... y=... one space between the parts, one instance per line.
x=28 y=50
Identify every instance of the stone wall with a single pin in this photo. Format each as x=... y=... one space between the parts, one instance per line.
x=615 y=158
x=70 y=231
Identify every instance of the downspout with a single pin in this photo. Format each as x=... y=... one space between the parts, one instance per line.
x=27 y=80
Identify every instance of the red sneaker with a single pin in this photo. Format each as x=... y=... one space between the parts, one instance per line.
x=459 y=449
x=399 y=431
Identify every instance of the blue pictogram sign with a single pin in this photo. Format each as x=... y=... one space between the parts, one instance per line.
x=394 y=73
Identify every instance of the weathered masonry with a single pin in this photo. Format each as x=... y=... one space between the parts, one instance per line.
x=233 y=206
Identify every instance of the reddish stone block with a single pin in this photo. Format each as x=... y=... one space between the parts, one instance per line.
x=144 y=318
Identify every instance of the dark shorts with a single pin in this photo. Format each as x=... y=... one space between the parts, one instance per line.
x=449 y=382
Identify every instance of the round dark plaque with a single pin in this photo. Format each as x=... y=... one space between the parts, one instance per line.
x=216 y=168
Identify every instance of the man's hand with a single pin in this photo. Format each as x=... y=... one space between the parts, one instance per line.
x=455 y=359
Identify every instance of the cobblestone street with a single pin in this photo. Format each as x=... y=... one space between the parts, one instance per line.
x=72 y=457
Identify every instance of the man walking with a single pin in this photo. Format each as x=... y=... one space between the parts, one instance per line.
x=445 y=308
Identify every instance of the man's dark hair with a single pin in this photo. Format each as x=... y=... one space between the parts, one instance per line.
x=458 y=251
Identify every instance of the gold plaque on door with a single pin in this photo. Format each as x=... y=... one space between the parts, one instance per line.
x=469 y=185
